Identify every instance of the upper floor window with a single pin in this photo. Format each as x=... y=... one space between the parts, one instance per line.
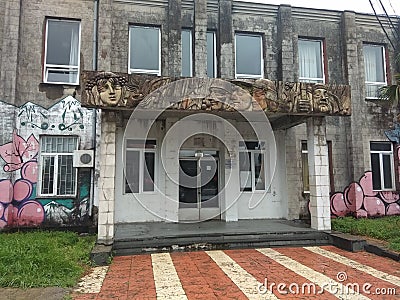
x=252 y=166
x=375 y=69
x=61 y=64
x=211 y=55
x=144 y=50
x=249 y=62
x=140 y=161
x=382 y=166
x=311 y=66
x=187 y=54
x=57 y=174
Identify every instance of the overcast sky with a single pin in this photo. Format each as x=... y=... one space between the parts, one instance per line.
x=392 y=6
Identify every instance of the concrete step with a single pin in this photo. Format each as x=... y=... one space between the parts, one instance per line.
x=218 y=242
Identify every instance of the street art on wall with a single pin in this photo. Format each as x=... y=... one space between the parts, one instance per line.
x=19 y=171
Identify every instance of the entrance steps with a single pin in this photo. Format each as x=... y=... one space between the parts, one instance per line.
x=135 y=238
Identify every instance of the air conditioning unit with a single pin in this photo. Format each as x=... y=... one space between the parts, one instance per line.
x=83 y=159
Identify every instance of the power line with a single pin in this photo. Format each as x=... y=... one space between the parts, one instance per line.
x=380 y=23
x=394 y=32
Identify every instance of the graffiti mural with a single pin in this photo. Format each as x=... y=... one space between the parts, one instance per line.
x=360 y=200
x=19 y=170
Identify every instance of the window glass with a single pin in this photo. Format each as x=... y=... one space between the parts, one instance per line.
x=374 y=64
x=310 y=61
x=304 y=164
x=62 y=51
x=259 y=172
x=186 y=53
x=382 y=166
x=211 y=61
x=140 y=165
x=252 y=173
x=144 y=50
x=249 y=57
x=245 y=171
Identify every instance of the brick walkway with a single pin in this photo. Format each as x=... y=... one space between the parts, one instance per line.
x=280 y=273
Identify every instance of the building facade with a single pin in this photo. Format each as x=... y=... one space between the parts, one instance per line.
x=184 y=111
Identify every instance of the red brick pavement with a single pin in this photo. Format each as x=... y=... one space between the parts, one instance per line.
x=131 y=277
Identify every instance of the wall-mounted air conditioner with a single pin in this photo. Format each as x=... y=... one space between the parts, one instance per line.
x=83 y=159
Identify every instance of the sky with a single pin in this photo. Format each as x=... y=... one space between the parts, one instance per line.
x=392 y=6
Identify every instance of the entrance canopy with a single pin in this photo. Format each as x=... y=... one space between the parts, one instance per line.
x=283 y=102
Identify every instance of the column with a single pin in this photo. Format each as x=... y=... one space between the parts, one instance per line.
x=225 y=39
x=200 y=38
x=288 y=61
x=319 y=174
x=173 y=59
x=107 y=179
x=104 y=37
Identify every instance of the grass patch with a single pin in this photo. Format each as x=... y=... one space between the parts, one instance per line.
x=42 y=258
x=385 y=228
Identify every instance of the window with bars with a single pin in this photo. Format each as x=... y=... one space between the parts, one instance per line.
x=140 y=158
x=61 y=63
x=57 y=174
x=252 y=166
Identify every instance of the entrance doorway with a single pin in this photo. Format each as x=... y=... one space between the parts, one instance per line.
x=198 y=185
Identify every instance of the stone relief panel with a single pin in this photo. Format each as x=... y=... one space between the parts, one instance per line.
x=109 y=90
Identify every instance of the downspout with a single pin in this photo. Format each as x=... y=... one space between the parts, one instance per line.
x=94 y=128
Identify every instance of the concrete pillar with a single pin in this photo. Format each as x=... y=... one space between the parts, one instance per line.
x=226 y=39
x=319 y=174
x=200 y=38
x=229 y=203
x=173 y=61
x=287 y=40
x=107 y=179
x=104 y=53
x=357 y=121
x=9 y=34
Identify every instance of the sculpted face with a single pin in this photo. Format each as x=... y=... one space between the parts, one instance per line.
x=321 y=101
x=110 y=91
x=241 y=99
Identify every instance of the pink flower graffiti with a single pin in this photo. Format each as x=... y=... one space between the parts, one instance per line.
x=16 y=205
x=359 y=199
x=19 y=151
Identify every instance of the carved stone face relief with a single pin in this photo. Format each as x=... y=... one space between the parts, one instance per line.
x=106 y=89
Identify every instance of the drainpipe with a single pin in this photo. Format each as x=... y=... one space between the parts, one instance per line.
x=94 y=130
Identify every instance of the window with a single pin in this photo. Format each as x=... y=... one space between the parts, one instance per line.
x=57 y=174
x=304 y=164
x=186 y=53
x=311 y=66
x=375 y=69
x=249 y=62
x=62 y=52
x=211 y=55
x=144 y=50
x=252 y=166
x=382 y=166
x=140 y=165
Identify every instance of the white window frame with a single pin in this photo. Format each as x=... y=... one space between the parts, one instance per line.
x=215 y=53
x=262 y=151
x=381 y=153
x=145 y=71
x=55 y=174
x=142 y=152
x=376 y=83
x=53 y=67
x=250 y=76
x=317 y=79
x=190 y=50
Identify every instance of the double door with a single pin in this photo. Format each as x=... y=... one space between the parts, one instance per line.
x=198 y=186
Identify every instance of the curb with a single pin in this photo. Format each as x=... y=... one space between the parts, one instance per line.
x=354 y=243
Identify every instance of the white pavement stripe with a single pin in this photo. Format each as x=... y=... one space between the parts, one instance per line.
x=92 y=282
x=356 y=265
x=243 y=280
x=324 y=282
x=166 y=279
